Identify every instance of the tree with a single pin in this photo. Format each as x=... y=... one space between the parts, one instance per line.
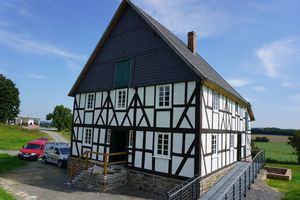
x=9 y=99
x=294 y=141
x=61 y=117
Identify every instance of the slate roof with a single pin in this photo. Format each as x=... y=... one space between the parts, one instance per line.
x=194 y=61
x=203 y=69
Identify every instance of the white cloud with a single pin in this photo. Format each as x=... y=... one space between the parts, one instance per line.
x=34 y=76
x=276 y=56
x=182 y=16
x=239 y=82
x=259 y=88
x=24 y=43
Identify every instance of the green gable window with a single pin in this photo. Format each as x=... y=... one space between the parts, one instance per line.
x=122 y=73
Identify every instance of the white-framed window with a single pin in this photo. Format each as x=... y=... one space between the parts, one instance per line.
x=108 y=136
x=121 y=98
x=87 y=137
x=231 y=145
x=163 y=96
x=130 y=138
x=216 y=101
x=90 y=101
x=214 y=149
x=241 y=111
x=236 y=108
x=162 y=145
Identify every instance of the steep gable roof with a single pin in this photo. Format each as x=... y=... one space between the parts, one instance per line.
x=209 y=76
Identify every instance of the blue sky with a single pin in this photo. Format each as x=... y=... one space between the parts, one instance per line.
x=254 y=45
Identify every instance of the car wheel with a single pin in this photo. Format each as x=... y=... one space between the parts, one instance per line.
x=44 y=160
x=59 y=164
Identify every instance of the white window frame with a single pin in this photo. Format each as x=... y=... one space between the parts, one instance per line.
x=130 y=138
x=163 y=97
x=121 y=104
x=108 y=136
x=231 y=141
x=88 y=141
x=214 y=143
x=236 y=108
x=161 y=155
x=90 y=102
x=216 y=101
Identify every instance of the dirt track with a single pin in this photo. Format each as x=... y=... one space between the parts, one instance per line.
x=272 y=138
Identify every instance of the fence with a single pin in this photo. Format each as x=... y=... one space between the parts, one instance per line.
x=190 y=190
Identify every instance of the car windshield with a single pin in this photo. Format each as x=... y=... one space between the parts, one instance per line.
x=65 y=151
x=32 y=146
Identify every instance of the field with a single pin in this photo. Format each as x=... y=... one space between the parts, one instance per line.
x=272 y=138
x=278 y=151
x=14 y=137
x=289 y=188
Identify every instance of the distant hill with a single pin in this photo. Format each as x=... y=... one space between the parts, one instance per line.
x=272 y=131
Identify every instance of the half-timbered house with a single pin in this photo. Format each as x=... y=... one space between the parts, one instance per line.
x=145 y=92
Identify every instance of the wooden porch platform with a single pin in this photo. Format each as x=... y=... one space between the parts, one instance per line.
x=219 y=188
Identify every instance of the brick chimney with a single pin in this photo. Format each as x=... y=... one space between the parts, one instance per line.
x=192 y=41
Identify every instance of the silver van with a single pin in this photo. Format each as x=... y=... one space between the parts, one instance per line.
x=57 y=153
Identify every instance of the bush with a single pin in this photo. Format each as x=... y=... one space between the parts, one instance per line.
x=262 y=139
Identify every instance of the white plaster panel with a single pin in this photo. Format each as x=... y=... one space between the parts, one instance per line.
x=138 y=159
x=163 y=119
x=77 y=100
x=188 y=168
x=179 y=93
x=131 y=92
x=101 y=150
x=75 y=132
x=161 y=165
x=191 y=115
x=96 y=115
x=177 y=112
x=149 y=140
x=148 y=161
x=175 y=163
x=81 y=114
x=139 y=139
x=94 y=148
x=98 y=99
x=88 y=119
x=208 y=163
x=80 y=133
x=120 y=116
x=103 y=114
x=209 y=114
x=208 y=143
x=189 y=138
x=216 y=121
x=191 y=88
x=177 y=142
x=150 y=96
x=102 y=136
x=96 y=133
x=149 y=113
x=82 y=100
x=141 y=93
x=74 y=150
x=129 y=158
x=104 y=97
x=75 y=116
x=113 y=97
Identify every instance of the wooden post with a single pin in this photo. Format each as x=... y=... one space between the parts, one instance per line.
x=105 y=164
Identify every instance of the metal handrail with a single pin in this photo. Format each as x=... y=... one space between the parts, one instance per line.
x=184 y=185
x=240 y=174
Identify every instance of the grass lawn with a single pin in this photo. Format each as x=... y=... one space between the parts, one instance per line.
x=8 y=162
x=291 y=189
x=5 y=196
x=66 y=134
x=14 y=137
x=279 y=151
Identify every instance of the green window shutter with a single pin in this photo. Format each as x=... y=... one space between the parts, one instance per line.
x=122 y=74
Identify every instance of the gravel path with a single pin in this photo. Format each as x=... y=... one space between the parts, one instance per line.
x=44 y=181
x=260 y=190
x=55 y=135
x=9 y=152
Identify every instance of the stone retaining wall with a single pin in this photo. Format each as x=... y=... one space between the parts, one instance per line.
x=151 y=183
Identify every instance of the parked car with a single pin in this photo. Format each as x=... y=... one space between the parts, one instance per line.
x=57 y=153
x=33 y=150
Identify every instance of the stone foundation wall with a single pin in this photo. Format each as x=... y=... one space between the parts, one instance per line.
x=212 y=179
x=151 y=183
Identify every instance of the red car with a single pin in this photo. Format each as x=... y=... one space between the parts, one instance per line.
x=34 y=149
